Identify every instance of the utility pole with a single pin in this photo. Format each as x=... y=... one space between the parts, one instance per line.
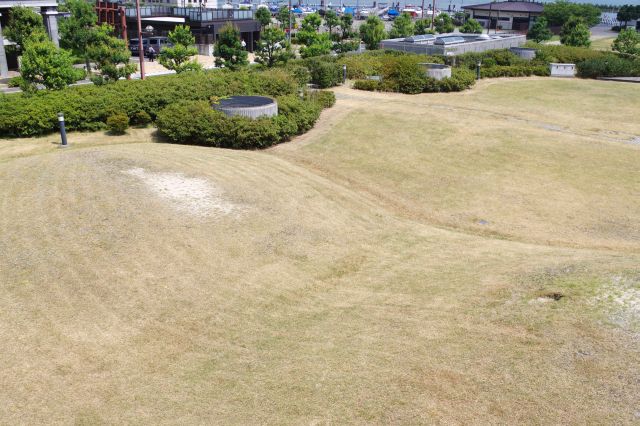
x=140 y=43
x=433 y=14
x=489 y=24
x=290 y=21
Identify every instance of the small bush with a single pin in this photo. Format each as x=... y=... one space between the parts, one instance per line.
x=370 y=85
x=16 y=81
x=141 y=118
x=404 y=75
x=118 y=123
x=461 y=79
x=324 y=73
x=323 y=98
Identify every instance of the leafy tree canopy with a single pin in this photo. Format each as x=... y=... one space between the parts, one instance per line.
x=471 y=27
x=179 y=56
x=263 y=15
x=372 y=32
x=402 y=26
x=575 y=32
x=23 y=23
x=273 y=47
x=44 y=63
x=228 y=50
x=559 y=12
x=628 y=41
x=540 y=32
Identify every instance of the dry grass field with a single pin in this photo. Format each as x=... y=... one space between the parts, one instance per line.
x=461 y=258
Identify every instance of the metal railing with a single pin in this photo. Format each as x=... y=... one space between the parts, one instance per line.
x=192 y=13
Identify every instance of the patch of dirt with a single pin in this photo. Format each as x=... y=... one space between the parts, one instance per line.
x=195 y=196
x=621 y=299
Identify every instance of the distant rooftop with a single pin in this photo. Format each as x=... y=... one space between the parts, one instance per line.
x=7 y=4
x=509 y=6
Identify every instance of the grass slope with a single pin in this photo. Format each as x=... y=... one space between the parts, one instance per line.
x=326 y=294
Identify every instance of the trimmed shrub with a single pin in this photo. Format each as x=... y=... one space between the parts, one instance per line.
x=514 y=71
x=141 y=118
x=323 y=98
x=370 y=85
x=404 y=75
x=565 y=54
x=197 y=123
x=118 y=123
x=87 y=107
x=324 y=72
x=461 y=79
x=609 y=66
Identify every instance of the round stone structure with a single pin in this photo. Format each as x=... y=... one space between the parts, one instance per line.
x=248 y=106
x=437 y=71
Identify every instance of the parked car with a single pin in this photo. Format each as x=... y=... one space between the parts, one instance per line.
x=158 y=43
x=134 y=45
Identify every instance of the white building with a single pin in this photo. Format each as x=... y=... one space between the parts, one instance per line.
x=506 y=15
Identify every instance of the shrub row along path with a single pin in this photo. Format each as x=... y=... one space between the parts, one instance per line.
x=412 y=259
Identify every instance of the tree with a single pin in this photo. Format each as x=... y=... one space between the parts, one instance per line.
x=229 y=50
x=346 y=21
x=402 y=26
x=575 y=32
x=628 y=41
x=628 y=13
x=309 y=31
x=321 y=44
x=273 y=47
x=110 y=55
x=23 y=23
x=331 y=20
x=77 y=32
x=471 y=27
x=283 y=16
x=423 y=26
x=444 y=23
x=372 y=32
x=311 y=22
x=540 y=32
x=263 y=15
x=178 y=57
x=559 y=12
x=44 y=63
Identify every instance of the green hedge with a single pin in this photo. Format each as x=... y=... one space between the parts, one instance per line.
x=460 y=79
x=197 y=123
x=609 y=66
x=87 y=107
x=514 y=71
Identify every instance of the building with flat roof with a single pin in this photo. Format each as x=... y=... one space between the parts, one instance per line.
x=49 y=11
x=506 y=15
x=205 y=23
x=453 y=44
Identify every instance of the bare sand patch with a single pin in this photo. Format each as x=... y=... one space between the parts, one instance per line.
x=195 y=196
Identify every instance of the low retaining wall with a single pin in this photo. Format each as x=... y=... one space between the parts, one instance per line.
x=562 y=70
x=437 y=71
x=248 y=106
x=524 y=52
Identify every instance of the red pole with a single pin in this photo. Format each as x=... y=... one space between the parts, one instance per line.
x=140 y=43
